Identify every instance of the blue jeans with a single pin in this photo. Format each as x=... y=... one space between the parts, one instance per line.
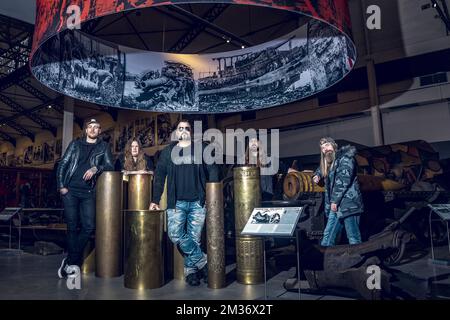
x=79 y=209
x=185 y=224
x=334 y=226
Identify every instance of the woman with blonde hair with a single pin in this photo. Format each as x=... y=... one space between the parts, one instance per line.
x=134 y=158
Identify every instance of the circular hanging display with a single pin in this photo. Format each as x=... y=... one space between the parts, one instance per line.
x=70 y=58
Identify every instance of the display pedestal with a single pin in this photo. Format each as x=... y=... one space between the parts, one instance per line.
x=275 y=223
x=7 y=215
x=443 y=212
x=297 y=241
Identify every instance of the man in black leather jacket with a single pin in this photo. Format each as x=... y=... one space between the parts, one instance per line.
x=84 y=160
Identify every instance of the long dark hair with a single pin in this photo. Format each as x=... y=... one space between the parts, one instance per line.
x=129 y=163
x=261 y=157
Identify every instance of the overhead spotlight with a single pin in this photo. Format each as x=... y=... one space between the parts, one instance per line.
x=49 y=107
x=228 y=40
x=242 y=47
x=442 y=12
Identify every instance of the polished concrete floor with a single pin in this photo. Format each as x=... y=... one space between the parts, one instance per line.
x=31 y=276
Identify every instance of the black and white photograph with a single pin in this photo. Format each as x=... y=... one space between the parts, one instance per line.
x=267 y=216
x=272 y=221
x=145 y=131
x=164 y=128
x=84 y=68
x=168 y=87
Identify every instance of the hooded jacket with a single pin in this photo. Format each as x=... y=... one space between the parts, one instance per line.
x=341 y=185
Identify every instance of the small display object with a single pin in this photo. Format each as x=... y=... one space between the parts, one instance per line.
x=272 y=221
x=442 y=210
x=9 y=213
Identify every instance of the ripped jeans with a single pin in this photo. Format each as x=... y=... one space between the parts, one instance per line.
x=185 y=224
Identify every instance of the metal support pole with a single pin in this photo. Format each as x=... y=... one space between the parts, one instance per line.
x=298 y=263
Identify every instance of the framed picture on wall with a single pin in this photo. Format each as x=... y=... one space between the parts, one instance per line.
x=48 y=151
x=58 y=147
x=145 y=132
x=108 y=136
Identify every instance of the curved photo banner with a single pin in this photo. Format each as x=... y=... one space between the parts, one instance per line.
x=302 y=63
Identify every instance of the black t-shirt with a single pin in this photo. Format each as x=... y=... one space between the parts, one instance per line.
x=83 y=165
x=186 y=180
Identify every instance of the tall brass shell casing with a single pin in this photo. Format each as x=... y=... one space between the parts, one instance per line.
x=144 y=256
x=108 y=232
x=215 y=238
x=139 y=191
x=249 y=249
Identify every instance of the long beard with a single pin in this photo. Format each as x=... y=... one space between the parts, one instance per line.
x=329 y=158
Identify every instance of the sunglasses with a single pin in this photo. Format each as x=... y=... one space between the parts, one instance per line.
x=188 y=129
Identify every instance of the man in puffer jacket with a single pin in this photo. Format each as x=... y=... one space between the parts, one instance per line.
x=343 y=200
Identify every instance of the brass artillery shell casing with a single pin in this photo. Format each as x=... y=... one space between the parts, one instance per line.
x=215 y=237
x=144 y=254
x=88 y=265
x=139 y=191
x=108 y=232
x=249 y=249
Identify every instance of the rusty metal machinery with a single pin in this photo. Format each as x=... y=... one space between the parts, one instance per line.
x=346 y=266
x=297 y=183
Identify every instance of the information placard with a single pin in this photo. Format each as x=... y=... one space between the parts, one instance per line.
x=443 y=210
x=272 y=221
x=8 y=213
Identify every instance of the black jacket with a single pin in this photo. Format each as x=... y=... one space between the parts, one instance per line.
x=166 y=168
x=120 y=163
x=101 y=158
x=342 y=186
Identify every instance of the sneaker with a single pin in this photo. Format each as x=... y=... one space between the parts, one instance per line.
x=72 y=271
x=203 y=273
x=61 y=271
x=193 y=280
x=66 y=270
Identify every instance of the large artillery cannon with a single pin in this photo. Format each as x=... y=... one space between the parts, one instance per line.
x=397 y=182
x=348 y=266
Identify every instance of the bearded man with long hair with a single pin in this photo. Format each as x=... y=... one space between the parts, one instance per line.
x=343 y=200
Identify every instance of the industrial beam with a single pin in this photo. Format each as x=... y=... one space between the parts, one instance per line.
x=56 y=104
x=210 y=25
x=14 y=77
x=8 y=138
x=17 y=107
x=211 y=15
x=28 y=111
x=21 y=130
